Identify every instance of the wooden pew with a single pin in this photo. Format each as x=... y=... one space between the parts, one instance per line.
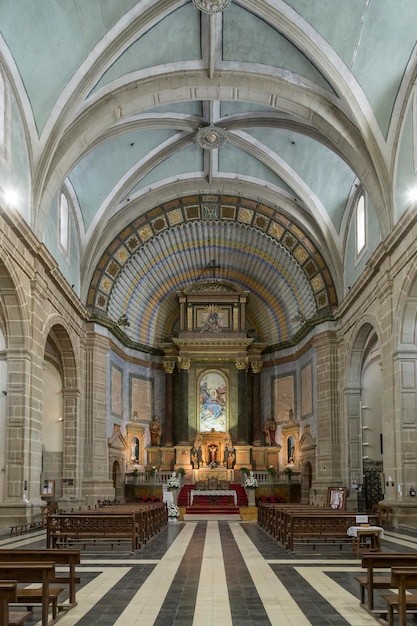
x=137 y=522
x=380 y=561
x=35 y=572
x=63 y=557
x=325 y=526
x=8 y=595
x=402 y=578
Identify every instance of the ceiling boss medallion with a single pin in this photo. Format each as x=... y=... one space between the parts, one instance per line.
x=211 y=6
x=211 y=137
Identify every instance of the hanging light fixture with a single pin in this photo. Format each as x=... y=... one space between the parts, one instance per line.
x=211 y=6
x=210 y=137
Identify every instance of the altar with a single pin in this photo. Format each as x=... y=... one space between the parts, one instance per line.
x=221 y=473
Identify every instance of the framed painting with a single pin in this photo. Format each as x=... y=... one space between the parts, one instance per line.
x=336 y=498
x=212 y=402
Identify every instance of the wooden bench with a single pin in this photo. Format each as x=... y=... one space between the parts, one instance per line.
x=402 y=578
x=149 y=519
x=35 y=572
x=63 y=557
x=82 y=526
x=380 y=561
x=325 y=527
x=8 y=595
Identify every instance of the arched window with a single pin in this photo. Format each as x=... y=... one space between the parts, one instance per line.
x=361 y=223
x=63 y=223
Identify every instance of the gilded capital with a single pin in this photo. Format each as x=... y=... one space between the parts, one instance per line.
x=256 y=364
x=184 y=362
x=169 y=365
x=241 y=363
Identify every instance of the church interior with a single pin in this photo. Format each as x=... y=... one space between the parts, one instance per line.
x=208 y=262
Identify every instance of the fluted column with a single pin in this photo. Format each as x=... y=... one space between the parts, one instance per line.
x=169 y=365
x=256 y=365
x=182 y=426
x=242 y=417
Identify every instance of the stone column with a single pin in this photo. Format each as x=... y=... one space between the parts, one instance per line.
x=96 y=481
x=182 y=426
x=256 y=365
x=169 y=365
x=329 y=465
x=242 y=418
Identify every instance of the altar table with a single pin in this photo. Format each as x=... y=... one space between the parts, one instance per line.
x=208 y=493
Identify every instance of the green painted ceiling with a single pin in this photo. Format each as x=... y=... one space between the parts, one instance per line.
x=113 y=93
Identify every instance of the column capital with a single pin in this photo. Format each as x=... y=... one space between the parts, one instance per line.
x=256 y=364
x=241 y=363
x=184 y=363
x=169 y=365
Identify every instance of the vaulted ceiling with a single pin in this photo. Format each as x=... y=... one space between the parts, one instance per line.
x=304 y=94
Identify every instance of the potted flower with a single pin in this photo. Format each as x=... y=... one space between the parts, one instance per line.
x=173 y=482
x=181 y=471
x=250 y=485
x=288 y=471
x=272 y=471
x=173 y=513
x=213 y=465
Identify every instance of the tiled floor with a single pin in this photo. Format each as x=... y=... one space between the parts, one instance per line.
x=217 y=573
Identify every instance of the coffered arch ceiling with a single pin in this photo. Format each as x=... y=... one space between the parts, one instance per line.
x=307 y=93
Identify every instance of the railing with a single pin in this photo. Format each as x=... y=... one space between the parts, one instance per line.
x=279 y=478
x=146 y=478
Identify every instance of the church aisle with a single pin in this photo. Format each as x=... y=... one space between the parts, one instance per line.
x=212 y=573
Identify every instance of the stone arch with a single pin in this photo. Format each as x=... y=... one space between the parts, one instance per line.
x=361 y=410
x=16 y=364
x=59 y=347
x=402 y=428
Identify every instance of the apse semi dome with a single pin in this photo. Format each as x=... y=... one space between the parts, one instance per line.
x=239 y=240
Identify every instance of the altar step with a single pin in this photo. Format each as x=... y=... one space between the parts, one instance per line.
x=199 y=512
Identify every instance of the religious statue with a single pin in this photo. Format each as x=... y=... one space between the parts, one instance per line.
x=213 y=453
x=194 y=458
x=229 y=457
x=156 y=432
x=269 y=430
x=199 y=457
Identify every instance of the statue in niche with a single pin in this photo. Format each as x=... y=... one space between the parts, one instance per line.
x=291 y=450
x=269 y=430
x=134 y=450
x=155 y=430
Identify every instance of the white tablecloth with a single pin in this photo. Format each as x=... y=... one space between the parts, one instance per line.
x=353 y=530
x=213 y=492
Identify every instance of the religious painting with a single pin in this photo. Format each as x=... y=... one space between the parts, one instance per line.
x=283 y=398
x=141 y=398
x=212 y=407
x=306 y=391
x=336 y=498
x=212 y=318
x=116 y=378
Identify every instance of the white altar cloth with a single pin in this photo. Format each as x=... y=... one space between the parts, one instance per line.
x=352 y=531
x=213 y=492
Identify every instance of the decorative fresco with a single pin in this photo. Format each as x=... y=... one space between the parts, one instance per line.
x=212 y=407
x=141 y=398
x=116 y=378
x=307 y=391
x=283 y=397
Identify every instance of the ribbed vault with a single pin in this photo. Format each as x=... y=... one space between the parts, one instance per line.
x=235 y=239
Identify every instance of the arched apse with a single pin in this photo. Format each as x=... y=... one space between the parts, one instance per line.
x=404 y=424
x=61 y=412
x=364 y=406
